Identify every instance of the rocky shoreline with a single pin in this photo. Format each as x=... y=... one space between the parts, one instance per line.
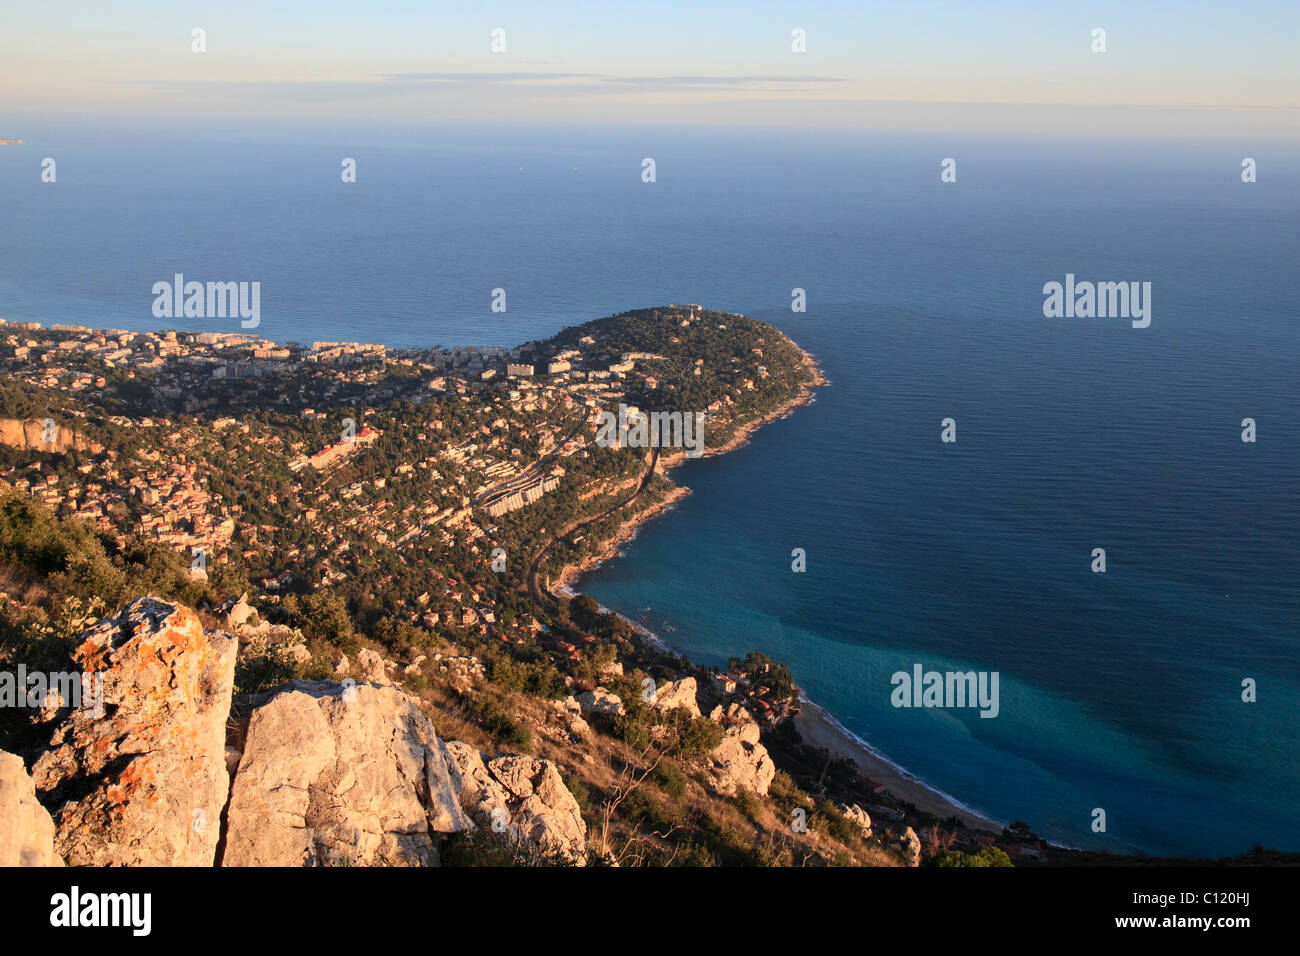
x=609 y=547
x=817 y=727
x=807 y=393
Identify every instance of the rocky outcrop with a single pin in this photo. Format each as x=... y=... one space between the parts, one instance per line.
x=259 y=638
x=909 y=845
x=681 y=693
x=740 y=762
x=370 y=667
x=143 y=782
x=26 y=830
x=237 y=611
x=860 y=817
x=570 y=713
x=601 y=701
x=38 y=434
x=340 y=774
x=734 y=714
x=524 y=798
x=317 y=772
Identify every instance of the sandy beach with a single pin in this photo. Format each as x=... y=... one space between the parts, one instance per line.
x=817 y=728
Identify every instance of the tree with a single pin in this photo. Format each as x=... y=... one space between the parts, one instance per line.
x=325 y=615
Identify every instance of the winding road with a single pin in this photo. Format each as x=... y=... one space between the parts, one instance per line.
x=534 y=569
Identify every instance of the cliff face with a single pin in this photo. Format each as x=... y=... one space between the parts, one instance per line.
x=524 y=798
x=143 y=782
x=30 y=435
x=332 y=773
x=740 y=761
x=327 y=773
x=26 y=830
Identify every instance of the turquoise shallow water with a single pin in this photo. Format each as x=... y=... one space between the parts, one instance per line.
x=1119 y=691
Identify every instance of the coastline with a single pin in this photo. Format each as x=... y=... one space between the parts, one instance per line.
x=628 y=528
x=806 y=396
x=816 y=726
x=609 y=547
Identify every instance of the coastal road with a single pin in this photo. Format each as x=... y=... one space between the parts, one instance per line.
x=534 y=569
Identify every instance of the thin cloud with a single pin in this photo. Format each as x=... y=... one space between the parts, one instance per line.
x=493 y=78
x=595 y=80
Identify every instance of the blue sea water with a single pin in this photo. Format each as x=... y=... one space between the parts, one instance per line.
x=1119 y=690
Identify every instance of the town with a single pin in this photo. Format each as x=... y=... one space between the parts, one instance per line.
x=362 y=513
x=362 y=450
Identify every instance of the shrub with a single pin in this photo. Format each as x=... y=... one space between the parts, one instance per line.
x=984 y=856
x=747 y=803
x=832 y=821
x=579 y=790
x=670 y=779
x=508 y=733
x=787 y=793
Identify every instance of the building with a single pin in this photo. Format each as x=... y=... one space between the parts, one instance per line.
x=724 y=684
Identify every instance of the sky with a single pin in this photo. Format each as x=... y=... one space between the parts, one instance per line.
x=1169 y=68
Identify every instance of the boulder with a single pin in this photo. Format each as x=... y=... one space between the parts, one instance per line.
x=860 y=817
x=679 y=693
x=601 y=701
x=740 y=762
x=26 y=830
x=237 y=611
x=909 y=845
x=370 y=667
x=570 y=714
x=737 y=714
x=142 y=780
x=339 y=774
x=523 y=797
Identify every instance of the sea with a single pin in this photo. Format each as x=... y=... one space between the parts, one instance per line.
x=1164 y=691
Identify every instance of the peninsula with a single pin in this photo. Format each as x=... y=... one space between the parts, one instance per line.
x=337 y=524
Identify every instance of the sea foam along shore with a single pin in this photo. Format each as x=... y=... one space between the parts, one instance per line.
x=816 y=726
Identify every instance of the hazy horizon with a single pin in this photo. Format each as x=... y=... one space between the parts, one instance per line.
x=1168 y=70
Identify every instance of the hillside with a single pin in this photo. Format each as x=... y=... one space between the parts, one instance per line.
x=379 y=560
